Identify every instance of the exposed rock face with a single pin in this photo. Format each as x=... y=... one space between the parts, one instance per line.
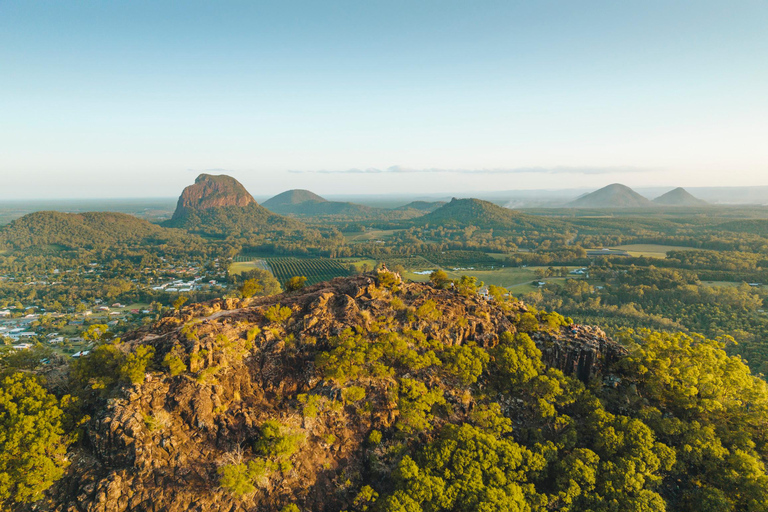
x=211 y=191
x=157 y=445
x=581 y=351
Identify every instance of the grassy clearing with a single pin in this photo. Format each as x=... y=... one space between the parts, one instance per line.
x=506 y=277
x=518 y=279
x=367 y=236
x=360 y=264
x=244 y=266
x=651 y=250
x=129 y=307
x=721 y=284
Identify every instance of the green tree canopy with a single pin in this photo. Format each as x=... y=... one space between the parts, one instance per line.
x=32 y=442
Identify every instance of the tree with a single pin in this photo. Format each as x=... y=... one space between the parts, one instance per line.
x=180 y=301
x=269 y=285
x=440 y=279
x=32 y=443
x=278 y=314
x=295 y=283
x=239 y=478
x=468 y=285
x=527 y=322
x=250 y=288
x=135 y=366
x=96 y=332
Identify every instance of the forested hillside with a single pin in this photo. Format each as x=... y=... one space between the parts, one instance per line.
x=84 y=231
x=368 y=393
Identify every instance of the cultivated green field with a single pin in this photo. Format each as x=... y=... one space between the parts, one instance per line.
x=651 y=250
x=360 y=264
x=239 y=267
x=721 y=284
x=315 y=270
x=509 y=277
x=371 y=234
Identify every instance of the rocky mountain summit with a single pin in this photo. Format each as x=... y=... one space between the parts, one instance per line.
x=220 y=206
x=211 y=191
x=223 y=370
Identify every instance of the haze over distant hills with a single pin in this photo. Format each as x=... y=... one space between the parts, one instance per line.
x=380 y=206
x=425 y=206
x=612 y=196
x=679 y=197
x=291 y=198
x=306 y=204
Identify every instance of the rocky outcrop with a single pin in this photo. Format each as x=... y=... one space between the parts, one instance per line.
x=211 y=191
x=581 y=351
x=159 y=445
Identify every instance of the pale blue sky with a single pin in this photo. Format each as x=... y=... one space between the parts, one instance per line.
x=134 y=98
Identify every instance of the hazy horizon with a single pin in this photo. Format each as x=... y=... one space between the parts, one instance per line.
x=134 y=99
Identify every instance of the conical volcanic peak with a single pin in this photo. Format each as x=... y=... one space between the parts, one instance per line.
x=612 y=196
x=486 y=215
x=679 y=197
x=291 y=197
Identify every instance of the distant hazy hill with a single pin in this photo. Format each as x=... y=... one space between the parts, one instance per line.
x=83 y=230
x=679 y=197
x=612 y=196
x=422 y=206
x=292 y=197
x=221 y=206
x=483 y=214
x=306 y=204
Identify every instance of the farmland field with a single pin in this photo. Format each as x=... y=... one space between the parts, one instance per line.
x=506 y=277
x=314 y=269
x=360 y=264
x=371 y=234
x=244 y=266
x=461 y=259
x=651 y=250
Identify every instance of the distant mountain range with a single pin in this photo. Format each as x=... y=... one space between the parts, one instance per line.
x=304 y=203
x=423 y=206
x=621 y=196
